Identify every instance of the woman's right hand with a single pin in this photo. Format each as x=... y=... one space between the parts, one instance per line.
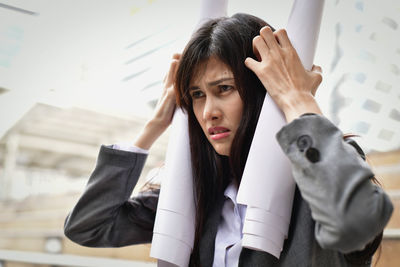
x=164 y=110
x=280 y=70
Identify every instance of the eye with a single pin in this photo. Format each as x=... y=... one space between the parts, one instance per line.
x=225 y=87
x=196 y=94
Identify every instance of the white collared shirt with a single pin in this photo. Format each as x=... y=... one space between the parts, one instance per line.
x=228 y=242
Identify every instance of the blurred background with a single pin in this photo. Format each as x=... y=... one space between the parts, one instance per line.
x=78 y=74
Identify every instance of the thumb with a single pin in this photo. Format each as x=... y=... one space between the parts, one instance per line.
x=251 y=63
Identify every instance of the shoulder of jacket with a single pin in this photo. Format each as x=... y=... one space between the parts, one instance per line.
x=353 y=143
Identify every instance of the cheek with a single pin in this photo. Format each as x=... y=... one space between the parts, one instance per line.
x=238 y=116
x=237 y=112
x=198 y=113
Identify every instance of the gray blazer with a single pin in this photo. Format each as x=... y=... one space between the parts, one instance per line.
x=337 y=219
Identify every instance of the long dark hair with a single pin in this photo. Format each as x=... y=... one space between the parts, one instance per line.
x=229 y=39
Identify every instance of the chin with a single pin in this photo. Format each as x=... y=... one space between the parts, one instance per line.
x=223 y=151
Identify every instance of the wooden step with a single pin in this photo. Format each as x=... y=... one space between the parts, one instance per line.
x=384 y=158
x=388 y=254
x=48 y=259
x=389 y=181
x=35 y=220
x=33 y=215
x=394 y=222
x=386 y=166
x=136 y=252
x=38 y=244
x=40 y=202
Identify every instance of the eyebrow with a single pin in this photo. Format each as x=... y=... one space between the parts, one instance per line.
x=213 y=83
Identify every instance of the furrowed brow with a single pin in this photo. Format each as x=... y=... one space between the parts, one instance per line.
x=192 y=88
x=213 y=83
x=219 y=81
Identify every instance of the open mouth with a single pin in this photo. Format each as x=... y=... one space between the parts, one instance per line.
x=217 y=133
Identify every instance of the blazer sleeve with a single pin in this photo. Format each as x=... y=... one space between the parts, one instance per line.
x=105 y=215
x=349 y=210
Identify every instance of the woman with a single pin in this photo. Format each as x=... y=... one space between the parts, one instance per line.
x=221 y=80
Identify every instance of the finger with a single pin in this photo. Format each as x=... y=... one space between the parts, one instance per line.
x=283 y=38
x=260 y=48
x=256 y=53
x=314 y=91
x=176 y=56
x=316 y=68
x=316 y=81
x=269 y=38
x=251 y=63
x=171 y=73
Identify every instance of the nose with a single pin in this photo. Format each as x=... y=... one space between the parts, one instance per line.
x=211 y=109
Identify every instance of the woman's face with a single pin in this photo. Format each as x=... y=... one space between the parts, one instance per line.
x=216 y=103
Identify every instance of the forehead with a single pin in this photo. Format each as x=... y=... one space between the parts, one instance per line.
x=210 y=70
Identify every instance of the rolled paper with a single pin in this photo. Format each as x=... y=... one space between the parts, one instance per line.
x=174 y=227
x=180 y=230
x=170 y=251
x=267 y=186
x=266 y=217
x=303 y=28
x=212 y=9
x=255 y=242
x=258 y=228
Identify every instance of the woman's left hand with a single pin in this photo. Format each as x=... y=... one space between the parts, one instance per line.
x=281 y=72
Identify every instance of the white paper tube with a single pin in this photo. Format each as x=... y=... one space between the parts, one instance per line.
x=255 y=242
x=213 y=9
x=267 y=181
x=266 y=217
x=260 y=229
x=303 y=28
x=181 y=229
x=170 y=251
x=176 y=201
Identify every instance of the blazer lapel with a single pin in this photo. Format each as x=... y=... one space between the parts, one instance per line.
x=301 y=229
x=207 y=241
